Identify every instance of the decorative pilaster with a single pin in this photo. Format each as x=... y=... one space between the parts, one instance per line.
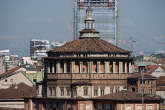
x=126 y=68
x=91 y=66
x=57 y=67
x=130 y=67
x=114 y=69
x=53 y=67
x=73 y=66
x=120 y=67
x=48 y=67
x=65 y=67
x=106 y=67
x=98 y=67
x=81 y=67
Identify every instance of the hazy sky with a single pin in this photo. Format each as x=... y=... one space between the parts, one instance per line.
x=23 y=20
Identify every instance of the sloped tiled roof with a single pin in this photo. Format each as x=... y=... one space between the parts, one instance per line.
x=138 y=75
x=127 y=96
x=89 y=45
x=4 y=108
x=9 y=72
x=17 y=92
x=152 y=68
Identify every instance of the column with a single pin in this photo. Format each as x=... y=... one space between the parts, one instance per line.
x=114 y=65
x=120 y=67
x=73 y=66
x=65 y=67
x=98 y=67
x=48 y=64
x=126 y=67
x=130 y=67
x=81 y=67
x=88 y=67
x=57 y=67
x=99 y=91
x=91 y=66
x=106 y=67
x=53 y=67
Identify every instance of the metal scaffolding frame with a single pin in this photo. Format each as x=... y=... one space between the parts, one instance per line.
x=105 y=14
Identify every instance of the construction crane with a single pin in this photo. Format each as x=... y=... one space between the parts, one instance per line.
x=131 y=41
x=120 y=14
x=70 y=29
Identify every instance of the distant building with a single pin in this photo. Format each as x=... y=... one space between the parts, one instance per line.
x=156 y=70
x=7 y=61
x=27 y=61
x=147 y=85
x=14 y=76
x=5 y=52
x=2 y=66
x=12 y=98
x=38 y=48
x=56 y=44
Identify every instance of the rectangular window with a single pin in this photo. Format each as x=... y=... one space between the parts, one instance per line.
x=68 y=91
x=107 y=106
x=150 y=92
x=27 y=106
x=88 y=106
x=81 y=106
x=111 y=89
x=149 y=107
x=99 y=106
x=95 y=91
x=139 y=107
x=61 y=107
x=74 y=92
x=85 y=91
x=102 y=91
x=54 y=91
x=94 y=67
x=50 y=91
x=68 y=67
x=62 y=91
x=128 y=107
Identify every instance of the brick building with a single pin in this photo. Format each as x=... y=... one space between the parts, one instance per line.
x=79 y=73
x=134 y=83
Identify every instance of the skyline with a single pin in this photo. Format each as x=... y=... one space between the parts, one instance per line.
x=23 y=20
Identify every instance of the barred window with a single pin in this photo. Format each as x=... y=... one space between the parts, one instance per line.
x=62 y=91
x=96 y=91
x=102 y=91
x=85 y=91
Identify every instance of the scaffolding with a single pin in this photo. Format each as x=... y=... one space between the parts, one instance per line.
x=105 y=15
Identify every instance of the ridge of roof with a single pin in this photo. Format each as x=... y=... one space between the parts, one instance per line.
x=127 y=96
x=139 y=75
x=18 y=92
x=9 y=72
x=92 y=45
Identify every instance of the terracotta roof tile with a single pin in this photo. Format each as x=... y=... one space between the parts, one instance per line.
x=11 y=71
x=151 y=68
x=127 y=96
x=17 y=92
x=138 y=75
x=89 y=45
x=4 y=108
